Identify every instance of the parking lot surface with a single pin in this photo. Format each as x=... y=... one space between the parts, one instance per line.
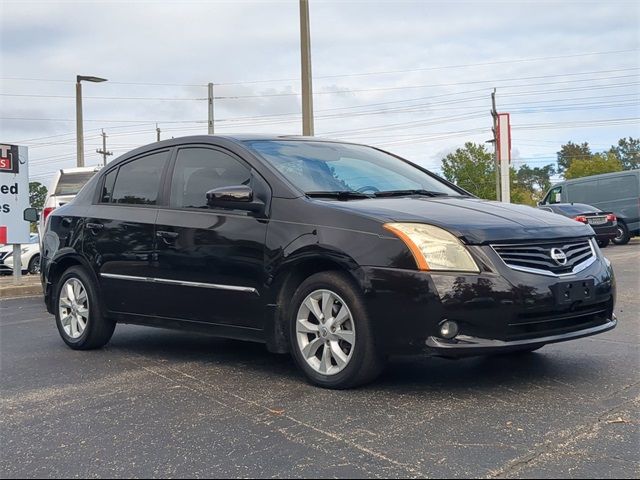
x=162 y=403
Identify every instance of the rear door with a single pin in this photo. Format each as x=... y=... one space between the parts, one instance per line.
x=120 y=232
x=210 y=261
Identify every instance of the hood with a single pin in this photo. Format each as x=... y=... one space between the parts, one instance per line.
x=473 y=220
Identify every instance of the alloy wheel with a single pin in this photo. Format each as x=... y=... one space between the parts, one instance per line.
x=325 y=332
x=73 y=308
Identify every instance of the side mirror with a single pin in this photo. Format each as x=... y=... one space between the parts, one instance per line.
x=239 y=197
x=31 y=214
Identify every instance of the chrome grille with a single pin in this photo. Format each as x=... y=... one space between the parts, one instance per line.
x=539 y=257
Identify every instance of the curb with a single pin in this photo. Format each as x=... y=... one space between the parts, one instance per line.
x=13 y=291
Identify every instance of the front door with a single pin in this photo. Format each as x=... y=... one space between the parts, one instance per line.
x=119 y=233
x=210 y=261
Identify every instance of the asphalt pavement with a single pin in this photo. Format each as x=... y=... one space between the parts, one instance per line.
x=157 y=403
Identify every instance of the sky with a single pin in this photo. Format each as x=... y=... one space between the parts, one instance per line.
x=413 y=77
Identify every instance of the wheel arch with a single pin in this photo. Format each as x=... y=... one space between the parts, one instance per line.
x=287 y=279
x=56 y=268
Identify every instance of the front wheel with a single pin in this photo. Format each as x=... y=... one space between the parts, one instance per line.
x=331 y=335
x=79 y=316
x=623 y=236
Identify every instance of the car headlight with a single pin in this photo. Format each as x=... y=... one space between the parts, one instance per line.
x=434 y=248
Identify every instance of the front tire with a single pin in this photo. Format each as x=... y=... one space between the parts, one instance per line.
x=623 y=236
x=331 y=334
x=79 y=317
x=603 y=243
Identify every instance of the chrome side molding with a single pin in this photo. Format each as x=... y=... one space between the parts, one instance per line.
x=183 y=283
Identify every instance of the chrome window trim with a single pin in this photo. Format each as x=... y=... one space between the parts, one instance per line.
x=183 y=283
x=538 y=271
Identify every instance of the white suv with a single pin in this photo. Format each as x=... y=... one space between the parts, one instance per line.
x=64 y=187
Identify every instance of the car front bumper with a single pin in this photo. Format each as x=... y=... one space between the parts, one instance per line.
x=499 y=309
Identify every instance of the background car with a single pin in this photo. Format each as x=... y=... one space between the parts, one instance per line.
x=605 y=224
x=617 y=192
x=64 y=187
x=30 y=257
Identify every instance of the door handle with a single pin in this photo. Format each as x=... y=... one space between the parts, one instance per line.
x=94 y=226
x=167 y=236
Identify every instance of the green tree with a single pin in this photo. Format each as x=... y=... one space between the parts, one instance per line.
x=572 y=151
x=627 y=152
x=37 y=195
x=530 y=184
x=598 y=163
x=472 y=168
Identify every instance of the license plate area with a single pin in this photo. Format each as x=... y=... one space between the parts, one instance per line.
x=567 y=293
x=597 y=221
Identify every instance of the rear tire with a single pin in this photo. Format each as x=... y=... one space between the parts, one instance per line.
x=79 y=316
x=623 y=234
x=331 y=334
x=34 y=265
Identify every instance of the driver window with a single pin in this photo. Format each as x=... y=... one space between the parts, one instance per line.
x=199 y=170
x=555 y=195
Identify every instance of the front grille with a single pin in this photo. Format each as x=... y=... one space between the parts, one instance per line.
x=547 y=258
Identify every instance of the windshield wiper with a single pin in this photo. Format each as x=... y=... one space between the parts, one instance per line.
x=403 y=193
x=340 y=194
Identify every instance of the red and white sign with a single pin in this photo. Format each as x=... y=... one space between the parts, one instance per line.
x=14 y=194
x=6 y=158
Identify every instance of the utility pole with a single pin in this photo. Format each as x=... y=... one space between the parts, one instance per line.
x=210 y=123
x=157 y=132
x=104 y=151
x=494 y=114
x=307 y=88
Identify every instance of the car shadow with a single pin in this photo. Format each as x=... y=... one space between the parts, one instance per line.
x=402 y=374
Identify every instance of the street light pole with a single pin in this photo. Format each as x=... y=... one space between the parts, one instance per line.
x=307 y=89
x=79 y=129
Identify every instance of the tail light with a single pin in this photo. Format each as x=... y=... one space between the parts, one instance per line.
x=46 y=212
x=580 y=218
x=611 y=218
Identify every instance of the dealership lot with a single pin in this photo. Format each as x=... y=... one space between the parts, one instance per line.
x=161 y=403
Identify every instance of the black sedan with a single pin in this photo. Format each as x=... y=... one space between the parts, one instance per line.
x=605 y=224
x=341 y=254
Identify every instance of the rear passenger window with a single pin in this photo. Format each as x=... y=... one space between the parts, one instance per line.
x=199 y=170
x=107 y=186
x=138 y=182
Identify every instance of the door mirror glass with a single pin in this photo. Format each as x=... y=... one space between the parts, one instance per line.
x=31 y=214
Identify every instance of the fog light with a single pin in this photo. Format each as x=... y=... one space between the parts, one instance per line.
x=448 y=329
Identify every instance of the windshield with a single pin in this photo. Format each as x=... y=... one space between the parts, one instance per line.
x=71 y=183
x=336 y=167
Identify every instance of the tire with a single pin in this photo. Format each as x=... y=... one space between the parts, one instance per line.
x=623 y=235
x=360 y=362
x=73 y=304
x=603 y=243
x=34 y=265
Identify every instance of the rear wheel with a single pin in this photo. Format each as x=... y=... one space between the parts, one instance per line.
x=331 y=334
x=79 y=316
x=34 y=265
x=623 y=236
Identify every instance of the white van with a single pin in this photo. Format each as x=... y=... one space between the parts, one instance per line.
x=617 y=192
x=64 y=187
